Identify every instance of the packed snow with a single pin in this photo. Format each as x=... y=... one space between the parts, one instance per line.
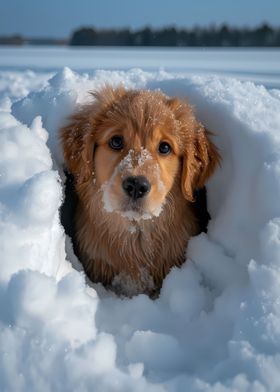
x=215 y=326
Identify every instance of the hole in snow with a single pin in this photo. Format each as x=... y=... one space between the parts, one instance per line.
x=68 y=210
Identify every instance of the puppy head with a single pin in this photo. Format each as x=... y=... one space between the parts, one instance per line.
x=133 y=147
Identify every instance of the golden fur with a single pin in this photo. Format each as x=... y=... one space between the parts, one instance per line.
x=120 y=244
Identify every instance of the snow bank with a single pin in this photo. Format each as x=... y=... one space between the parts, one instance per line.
x=216 y=325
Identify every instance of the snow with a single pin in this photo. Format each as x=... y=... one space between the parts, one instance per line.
x=215 y=326
x=258 y=64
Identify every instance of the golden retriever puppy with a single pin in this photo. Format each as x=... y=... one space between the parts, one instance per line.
x=137 y=158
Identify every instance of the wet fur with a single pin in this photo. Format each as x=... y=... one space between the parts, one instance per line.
x=110 y=247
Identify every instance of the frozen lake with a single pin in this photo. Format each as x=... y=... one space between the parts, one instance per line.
x=259 y=65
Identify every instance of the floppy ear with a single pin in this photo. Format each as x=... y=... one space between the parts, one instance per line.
x=200 y=159
x=79 y=135
x=78 y=139
x=200 y=156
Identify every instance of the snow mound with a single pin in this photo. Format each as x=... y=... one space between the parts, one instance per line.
x=216 y=324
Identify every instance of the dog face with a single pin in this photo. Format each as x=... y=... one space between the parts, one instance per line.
x=137 y=160
x=132 y=147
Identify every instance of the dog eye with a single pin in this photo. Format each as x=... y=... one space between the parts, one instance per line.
x=116 y=142
x=164 y=148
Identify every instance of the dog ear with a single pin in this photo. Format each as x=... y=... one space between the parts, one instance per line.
x=78 y=140
x=200 y=160
x=200 y=155
x=79 y=135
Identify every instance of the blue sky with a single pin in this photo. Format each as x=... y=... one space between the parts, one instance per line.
x=57 y=18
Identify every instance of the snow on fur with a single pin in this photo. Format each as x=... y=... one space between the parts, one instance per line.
x=216 y=324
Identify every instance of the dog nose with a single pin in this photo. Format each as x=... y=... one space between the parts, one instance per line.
x=136 y=186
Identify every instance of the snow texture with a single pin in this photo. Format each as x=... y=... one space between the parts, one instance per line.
x=260 y=65
x=215 y=326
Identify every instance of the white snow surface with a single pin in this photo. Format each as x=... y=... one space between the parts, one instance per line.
x=260 y=65
x=215 y=326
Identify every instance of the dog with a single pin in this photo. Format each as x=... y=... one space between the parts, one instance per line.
x=137 y=158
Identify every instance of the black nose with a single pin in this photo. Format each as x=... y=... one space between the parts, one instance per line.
x=136 y=186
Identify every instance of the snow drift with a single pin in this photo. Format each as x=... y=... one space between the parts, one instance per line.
x=216 y=324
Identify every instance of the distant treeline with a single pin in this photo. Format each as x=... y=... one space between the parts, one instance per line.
x=263 y=35
x=19 y=40
x=225 y=36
